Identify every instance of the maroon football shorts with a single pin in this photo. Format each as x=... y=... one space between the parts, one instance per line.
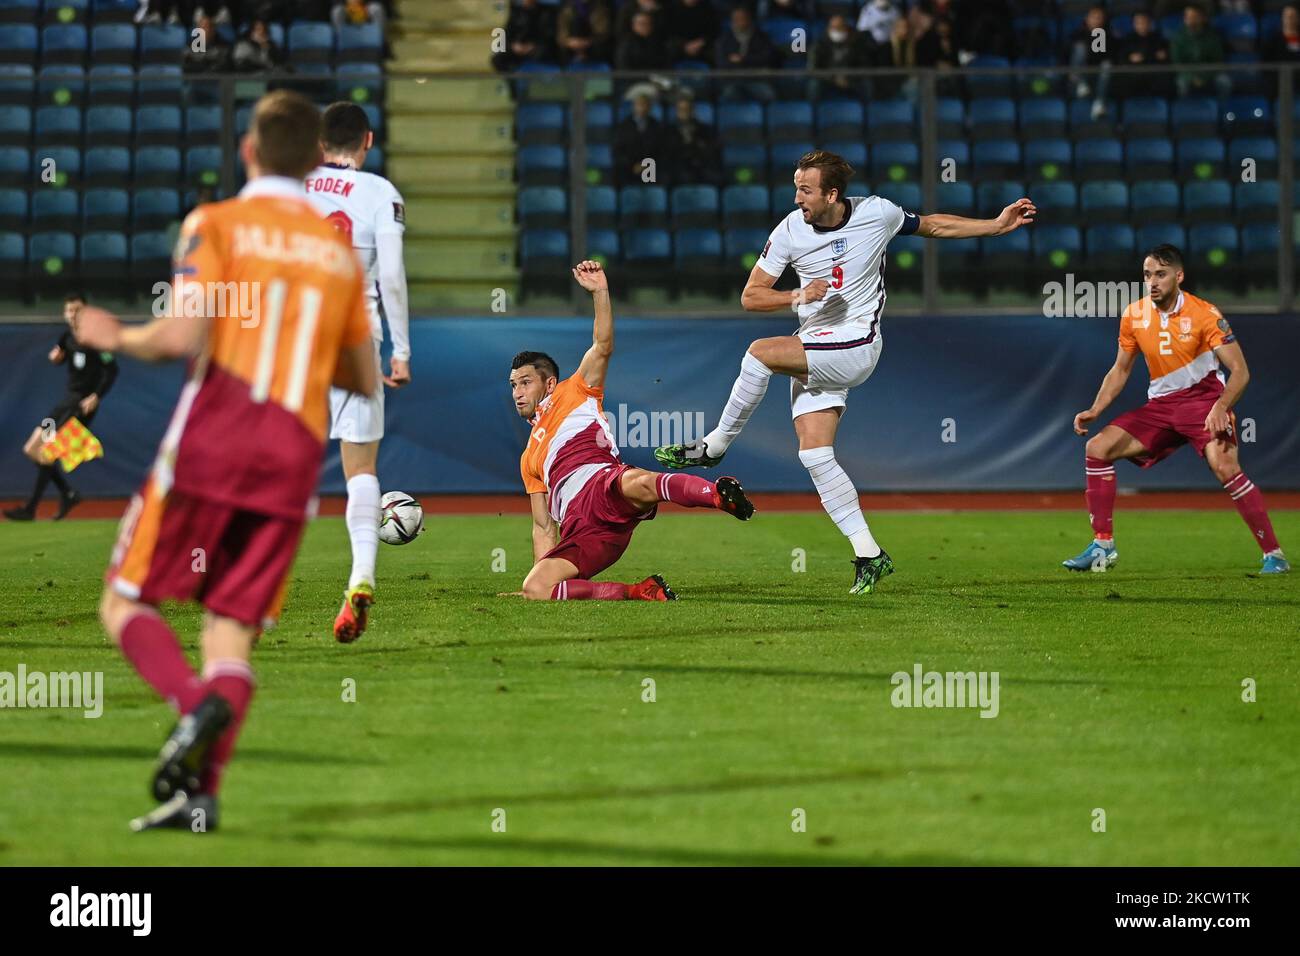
x=598 y=524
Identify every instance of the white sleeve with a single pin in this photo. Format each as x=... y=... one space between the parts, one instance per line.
x=776 y=254
x=390 y=224
x=897 y=219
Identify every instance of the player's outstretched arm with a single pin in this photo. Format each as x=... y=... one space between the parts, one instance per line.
x=759 y=296
x=161 y=340
x=544 y=536
x=943 y=226
x=1111 y=386
x=591 y=276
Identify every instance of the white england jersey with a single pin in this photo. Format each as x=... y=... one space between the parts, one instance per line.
x=364 y=206
x=850 y=257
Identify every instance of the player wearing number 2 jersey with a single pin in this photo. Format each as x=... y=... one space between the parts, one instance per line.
x=836 y=245
x=370 y=212
x=220 y=516
x=1184 y=339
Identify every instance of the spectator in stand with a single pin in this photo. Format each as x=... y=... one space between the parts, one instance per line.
x=692 y=29
x=696 y=155
x=1196 y=44
x=743 y=46
x=630 y=8
x=642 y=48
x=187 y=12
x=899 y=53
x=840 y=47
x=530 y=37
x=937 y=48
x=1091 y=46
x=255 y=52
x=584 y=33
x=357 y=12
x=1284 y=47
x=637 y=138
x=794 y=9
x=1143 y=47
x=212 y=54
x=877 y=19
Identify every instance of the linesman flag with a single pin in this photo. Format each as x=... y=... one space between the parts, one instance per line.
x=72 y=444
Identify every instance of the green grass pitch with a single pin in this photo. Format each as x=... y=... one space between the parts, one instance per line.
x=1120 y=692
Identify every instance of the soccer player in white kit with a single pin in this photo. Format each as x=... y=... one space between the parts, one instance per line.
x=837 y=247
x=369 y=209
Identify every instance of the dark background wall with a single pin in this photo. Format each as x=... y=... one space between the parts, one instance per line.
x=1010 y=385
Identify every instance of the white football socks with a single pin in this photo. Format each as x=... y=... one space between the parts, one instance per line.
x=840 y=499
x=363 y=527
x=750 y=387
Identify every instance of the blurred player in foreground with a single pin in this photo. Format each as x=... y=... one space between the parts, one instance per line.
x=576 y=483
x=836 y=244
x=1185 y=340
x=369 y=211
x=222 y=512
x=90 y=375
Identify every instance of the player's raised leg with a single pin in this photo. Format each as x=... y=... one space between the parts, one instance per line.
x=782 y=355
x=1221 y=456
x=816 y=430
x=1100 y=454
x=362 y=518
x=645 y=489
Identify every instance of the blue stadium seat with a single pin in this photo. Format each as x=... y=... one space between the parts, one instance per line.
x=56 y=210
x=1259 y=248
x=159 y=126
x=1084 y=126
x=357 y=82
x=19 y=43
x=109 y=126
x=957 y=150
x=158 y=166
x=647 y=247
x=1056 y=247
x=789 y=120
x=104 y=259
x=1154 y=199
x=746 y=206
x=783 y=158
x=1248 y=116
x=110 y=85
x=542 y=166
x=997 y=159
x=16 y=84
x=840 y=119
x=202 y=165
x=1110 y=248
x=544 y=248
x=151 y=254
x=64 y=44
x=155 y=208
x=603 y=244
x=1042 y=117
x=203 y=125
x=1238 y=31
x=906 y=195
x=52 y=259
x=1149 y=159
x=602 y=207
x=780 y=30
x=160 y=85
x=163 y=43
x=742 y=247
x=1056 y=201
x=992 y=198
x=540 y=123
x=741 y=123
x=13 y=253
x=1195 y=116
x=1213 y=244
x=19 y=11
x=108 y=166
x=64 y=11
x=1104 y=200
x=57 y=126
x=992 y=118
x=65 y=162
x=1048 y=159
x=108 y=209
x=905 y=256
x=781 y=198
x=1207 y=200
x=13 y=210
x=112 y=43
x=1002 y=259
x=642 y=206
x=698 y=251
x=891 y=119
x=949 y=118
x=61 y=85
x=1262 y=150
x=694 y=206
x=310 y=42
x=15 y=161
x=988 y=85
x=543 y=207
x=600 y=162
x=895 y=161
x=957 y=199
x=1200 y=158
x=853 y=151
x=1258 y=201
x=1161 y=233
x=599 y=122
x=361 y=43
x=15 y=124
x=113 y=11
x=744 y=163
x=1143 y=116
x=1098 y=159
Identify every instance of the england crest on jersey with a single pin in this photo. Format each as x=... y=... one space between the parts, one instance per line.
x=838 y=246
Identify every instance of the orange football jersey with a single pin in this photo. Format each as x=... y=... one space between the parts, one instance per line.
x=1178 y=345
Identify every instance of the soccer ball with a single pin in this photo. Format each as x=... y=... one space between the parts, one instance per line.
x=401 y=518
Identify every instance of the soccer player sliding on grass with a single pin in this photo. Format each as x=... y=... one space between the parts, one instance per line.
x=578 y=487
x=1184 y=340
